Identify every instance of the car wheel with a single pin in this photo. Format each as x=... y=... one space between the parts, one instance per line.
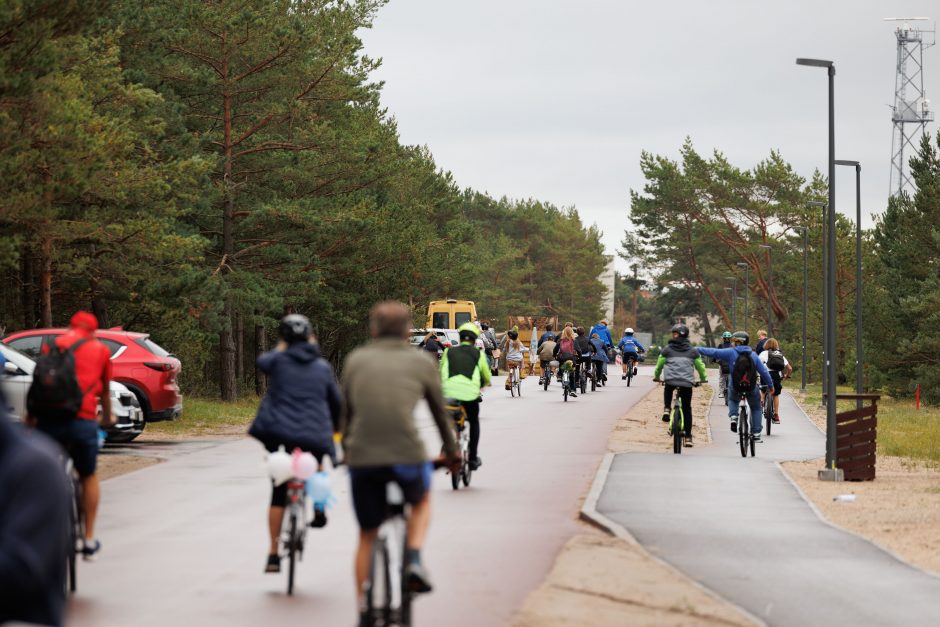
x=142 y=399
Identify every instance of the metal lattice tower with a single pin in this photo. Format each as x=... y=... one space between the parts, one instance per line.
x=911 y=110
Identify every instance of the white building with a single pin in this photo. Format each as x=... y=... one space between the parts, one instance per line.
x=608 y=278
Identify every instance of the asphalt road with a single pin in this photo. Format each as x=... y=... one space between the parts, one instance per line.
x=184 y=542
x=739 y=527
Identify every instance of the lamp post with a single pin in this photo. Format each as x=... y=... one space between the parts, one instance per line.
x=805 y=276
x=858 y=275
x=770 y=282
x=734 y=301
x=731 y=298
x=830 y=472
x=821 y=205
x=747 y=288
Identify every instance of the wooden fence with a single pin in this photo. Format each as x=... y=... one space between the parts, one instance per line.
x=856 y=437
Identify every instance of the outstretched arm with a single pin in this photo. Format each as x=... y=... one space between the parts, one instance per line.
x=700 y=366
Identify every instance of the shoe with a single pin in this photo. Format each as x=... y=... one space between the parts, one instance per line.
x=776 y=419
x=90 y=550
x=417 y=579
x=508 y=387
x=635 y=371
x=319 y=519
x=573 y=394
x=756 y=437
x=475 y=463
x=687 y=441
x=623 y=378
x=274 y=564
x=665 y=416
x=734 y=426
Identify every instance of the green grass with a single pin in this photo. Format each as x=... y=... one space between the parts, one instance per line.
x=903 y=431
x=206 y=416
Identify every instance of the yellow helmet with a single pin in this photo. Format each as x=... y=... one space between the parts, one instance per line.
x=468 y=332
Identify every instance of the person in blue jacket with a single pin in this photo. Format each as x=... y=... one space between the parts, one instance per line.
x=729 y=356
x=301 y=410
x=599 y=358
x=604 y=333
x=630 y=348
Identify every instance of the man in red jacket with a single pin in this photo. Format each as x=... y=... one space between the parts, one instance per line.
x=79 y=436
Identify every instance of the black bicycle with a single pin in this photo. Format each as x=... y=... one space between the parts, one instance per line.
x=745 y=438
x=586 y=372
x=566 y=385
x=294 y=534
x=458 y=414
x=768 y=406
x=547 y=373
x=76 y=530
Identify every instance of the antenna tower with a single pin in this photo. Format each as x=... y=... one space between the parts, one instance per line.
x=911 y=109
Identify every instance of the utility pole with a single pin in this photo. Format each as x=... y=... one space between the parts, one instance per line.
x=636 y=289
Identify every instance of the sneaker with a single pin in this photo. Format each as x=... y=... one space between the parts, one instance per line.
x=475 y=463
x=319 y=519
x=665 y=416
x=573 y=394
x=734 y=426
x=623 y=378
x=635 y=371
x=687 y=441
x=417 y=578
x=508 y=387
x=90 y=550
x=274 y=564
x=776 y=419
x=756 y=437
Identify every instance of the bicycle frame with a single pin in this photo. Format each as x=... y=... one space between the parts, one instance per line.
x=388 y=602
x=295 y=527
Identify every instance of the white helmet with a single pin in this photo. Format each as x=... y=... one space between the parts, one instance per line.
x=628 y=331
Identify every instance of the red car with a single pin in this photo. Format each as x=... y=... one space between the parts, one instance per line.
x=149 y=371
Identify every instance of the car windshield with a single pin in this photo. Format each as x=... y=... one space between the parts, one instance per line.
x=23 y=361
x=153 y=347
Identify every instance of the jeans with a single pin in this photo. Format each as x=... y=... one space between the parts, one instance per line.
x=753 y=401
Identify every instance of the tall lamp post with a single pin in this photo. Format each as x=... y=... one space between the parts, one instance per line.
x=858 y=275
x=734 y=301
x=805 y=231
x=770 y=282
x=747 y=288
x=830 y=473
x=731 y=298
x=821 y=205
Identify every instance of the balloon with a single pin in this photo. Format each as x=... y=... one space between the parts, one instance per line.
x=303 y=464
x=280 y=466
x=318 y=487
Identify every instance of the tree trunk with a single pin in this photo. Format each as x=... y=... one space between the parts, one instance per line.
x=227 y=376
x=227 y=381
x=706 y=323
x=27 y=281
x=45 y=282
x=239 y=347
x=261 y=345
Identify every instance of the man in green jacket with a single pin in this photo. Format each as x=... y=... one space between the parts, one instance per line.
x=678 y=363
x=464 y=370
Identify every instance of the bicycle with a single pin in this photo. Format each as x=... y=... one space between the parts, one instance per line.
x=294 y=533
x=768 y=406
x=515 y=380
x=548 y=372
x=586 y=372
x=723 y=386
x=76 y=529
x=459 y=415
x=388 y=599
x=631 y=363
x=565 y=380
x=745 y=438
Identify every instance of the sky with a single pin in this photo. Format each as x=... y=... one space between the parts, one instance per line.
x=556 y=99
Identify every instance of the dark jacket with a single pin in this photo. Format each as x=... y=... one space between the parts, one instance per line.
x=600 y=349
x=548 y=335
x=302 y=406
x=582 y=344
x=33 y=519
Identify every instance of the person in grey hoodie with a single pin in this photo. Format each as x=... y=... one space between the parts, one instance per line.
x=301 y=410
x=677 y=364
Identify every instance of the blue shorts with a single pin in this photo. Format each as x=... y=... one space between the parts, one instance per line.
x=368 y=489
x=79 y=438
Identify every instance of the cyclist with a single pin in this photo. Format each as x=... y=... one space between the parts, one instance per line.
x=779 y=369
x=464 y=371
x=585 y=350
x=382 y=383
x=548 y=335
x=630 y=349
x=736 y=358
x=722 y=366
x=514 y=354
x=566 y=353
x=603 y=332
x=489 y=342
x=301 y=410
x=599 y=358
x=78 y=435
x=546 y=353
x=761 y=341
x=431 y=344
x=677 y=363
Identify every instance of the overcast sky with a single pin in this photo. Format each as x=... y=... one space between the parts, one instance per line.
x=555 y=99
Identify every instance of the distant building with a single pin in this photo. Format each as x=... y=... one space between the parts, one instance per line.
x=697 y=329
x=607 y=277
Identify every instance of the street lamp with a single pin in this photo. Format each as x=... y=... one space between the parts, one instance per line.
x=747 y=288
x=731 y=298
x=734 y=301
x=770 y=282
x=830 y=472
x=821 y=205
x=858 y=275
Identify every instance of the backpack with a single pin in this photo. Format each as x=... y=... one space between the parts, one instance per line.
x=744 y=374
x=775 y=361
x=54 y=393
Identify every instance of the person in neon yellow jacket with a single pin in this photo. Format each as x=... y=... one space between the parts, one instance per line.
x=464 y=371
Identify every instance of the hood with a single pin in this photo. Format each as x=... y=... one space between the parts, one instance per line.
x=303 y=352
x=680 y=343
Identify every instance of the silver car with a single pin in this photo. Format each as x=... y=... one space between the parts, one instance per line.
x=18 y=375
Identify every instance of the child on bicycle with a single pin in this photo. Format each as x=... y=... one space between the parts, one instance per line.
x=514 y=354
x=779 y=369
x=630 y=349
x=678 y=363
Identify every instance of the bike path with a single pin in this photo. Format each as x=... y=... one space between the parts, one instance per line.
x=739 y=527
x=184 y=541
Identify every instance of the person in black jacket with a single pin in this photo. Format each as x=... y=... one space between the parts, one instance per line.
x=585 y=350
x=301 y=410
x=33 y=518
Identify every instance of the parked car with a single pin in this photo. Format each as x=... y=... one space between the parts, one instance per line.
x=148 y=371
x=18 y=375
x=447 y=337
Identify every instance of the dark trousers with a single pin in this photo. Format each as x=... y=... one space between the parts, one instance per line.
x=473 y=418
x=685 y=397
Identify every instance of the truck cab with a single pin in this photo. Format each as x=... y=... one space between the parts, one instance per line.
x=450 y=313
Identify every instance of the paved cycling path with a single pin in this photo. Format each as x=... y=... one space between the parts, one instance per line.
x=739 y=527
x=185 y=540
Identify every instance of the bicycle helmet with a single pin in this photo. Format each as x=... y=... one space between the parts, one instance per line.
x=468 y=332
x=726 y=335
x=295 y=328
x=628 y=331
x=681 y=330
x=513 y=334
x=741 y=337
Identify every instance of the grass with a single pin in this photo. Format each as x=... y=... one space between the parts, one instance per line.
x=903 y=431
x=208 y=417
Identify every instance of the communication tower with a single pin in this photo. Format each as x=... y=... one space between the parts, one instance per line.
x=911 y=109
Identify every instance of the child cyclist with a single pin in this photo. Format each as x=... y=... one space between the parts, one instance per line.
x=630 y=349
x=744 y=367
x=779 y=369
x=677 y=364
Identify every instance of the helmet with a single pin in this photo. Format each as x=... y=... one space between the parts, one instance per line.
x=726 y=335
x=468 y=332
x=628 y=331
x=681 y=330
x=742 y=337
x=513 y=334
x=294 y=328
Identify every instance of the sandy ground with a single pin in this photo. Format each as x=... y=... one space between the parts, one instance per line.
x=603 y=581
x=899 y=510
x=114 y=465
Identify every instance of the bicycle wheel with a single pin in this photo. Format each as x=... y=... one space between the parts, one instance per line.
x=768 y=410
x=564 y=386
x=593 y=382
x=512 y=384
x=546 y=378
x=583 y=383
x=519 y=388
x=677 y=431
x=629 y=373
x=71 y=555
x=753 y=445
x=466 y=473
x=743 y=432
x=291 y=552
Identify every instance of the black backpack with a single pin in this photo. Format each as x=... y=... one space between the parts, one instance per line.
x=54 y=393
x=744 y=374
x=775 y=361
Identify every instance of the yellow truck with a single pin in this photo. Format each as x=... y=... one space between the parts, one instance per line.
x=450 y=313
